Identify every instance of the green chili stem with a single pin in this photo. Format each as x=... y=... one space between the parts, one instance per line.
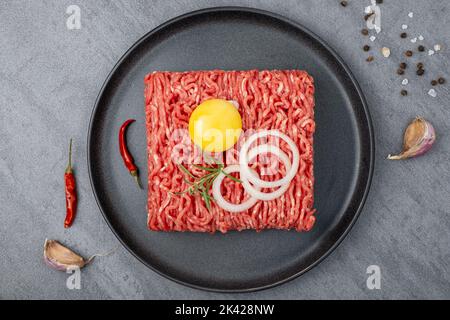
x=69 y=166
x=138 y=181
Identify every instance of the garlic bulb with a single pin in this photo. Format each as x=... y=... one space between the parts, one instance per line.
x=418 y=139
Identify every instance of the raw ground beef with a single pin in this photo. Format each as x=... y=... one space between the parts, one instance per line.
x=278 y=99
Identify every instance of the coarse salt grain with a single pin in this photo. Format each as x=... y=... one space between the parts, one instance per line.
x=420 y=37
x=372 y=38
x=404 y=26
x=430 y=52
x=386 y=52
x=437 y=47
x=367 y=9
x=411 y=14
x=432 y=93
x=405 y=82
x=414 y=40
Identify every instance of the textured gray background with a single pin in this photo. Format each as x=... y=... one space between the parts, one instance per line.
x=50 y=77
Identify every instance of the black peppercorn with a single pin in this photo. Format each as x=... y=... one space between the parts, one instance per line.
x=400 y=71
x=421 y=48
x=365 y=32
x=419 y=65
x=420 y=72
x=441 y=80
x=403 y=35
x=366 y=48
x=434 y=82
x=403 y=65
x=404 y=92
x=344 y=3
x=369 y=58
x=379 y=1
x=408 y=53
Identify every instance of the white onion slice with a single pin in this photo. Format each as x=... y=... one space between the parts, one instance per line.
x=254 y=190
x=244 y=160
x=220 y=200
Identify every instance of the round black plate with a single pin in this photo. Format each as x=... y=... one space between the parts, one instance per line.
x=233 y=38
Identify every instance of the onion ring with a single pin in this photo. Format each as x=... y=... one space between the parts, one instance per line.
x=244 y=160
x=254 y=190
x=220 y=200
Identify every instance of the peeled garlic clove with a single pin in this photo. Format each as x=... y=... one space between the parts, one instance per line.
x=419 y=137
x=61 y=258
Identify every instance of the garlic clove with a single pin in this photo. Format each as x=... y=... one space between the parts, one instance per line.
x=61 y=258
x=418 y=139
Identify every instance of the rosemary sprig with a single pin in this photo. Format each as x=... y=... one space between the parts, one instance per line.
x=183 y=168
x=202 y=184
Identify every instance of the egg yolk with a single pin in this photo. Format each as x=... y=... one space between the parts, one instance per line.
x=215 y=125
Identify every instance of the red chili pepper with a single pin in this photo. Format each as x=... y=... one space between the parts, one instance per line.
x=71 y=192
x=126 y=155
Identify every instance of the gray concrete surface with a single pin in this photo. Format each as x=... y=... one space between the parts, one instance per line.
x=50 y=77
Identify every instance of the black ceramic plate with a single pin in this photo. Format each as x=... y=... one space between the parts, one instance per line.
x=233 y=39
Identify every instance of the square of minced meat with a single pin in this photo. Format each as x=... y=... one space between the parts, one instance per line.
x=277 y=99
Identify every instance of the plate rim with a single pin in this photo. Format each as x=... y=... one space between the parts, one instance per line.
x=335 y=55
